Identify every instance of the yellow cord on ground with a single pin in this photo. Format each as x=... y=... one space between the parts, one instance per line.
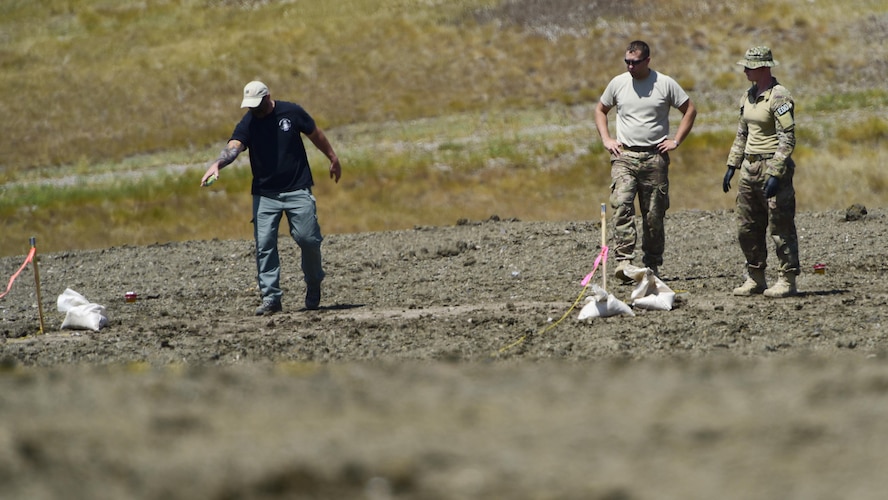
x=548 y=327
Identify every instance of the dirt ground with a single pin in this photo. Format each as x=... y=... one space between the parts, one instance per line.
x=404 y=384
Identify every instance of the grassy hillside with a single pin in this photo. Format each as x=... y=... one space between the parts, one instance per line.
x=439 y=109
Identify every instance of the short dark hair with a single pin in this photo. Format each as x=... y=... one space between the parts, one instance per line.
x=639 y=46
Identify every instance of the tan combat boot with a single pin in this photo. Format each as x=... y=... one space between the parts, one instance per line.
x=754 y=285
x=785 y=287
x=620 y=272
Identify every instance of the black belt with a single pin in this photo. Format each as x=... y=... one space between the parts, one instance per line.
x=642 y=149
x=755 y=158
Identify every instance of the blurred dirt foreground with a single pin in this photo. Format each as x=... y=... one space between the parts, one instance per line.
x=401 y=386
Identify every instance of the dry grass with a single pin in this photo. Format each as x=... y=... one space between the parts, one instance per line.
x=440 y=110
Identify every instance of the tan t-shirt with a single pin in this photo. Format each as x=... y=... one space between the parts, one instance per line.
x=643 y=107
x=766 y=126
x=762 y=116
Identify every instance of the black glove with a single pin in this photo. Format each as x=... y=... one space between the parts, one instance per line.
x=772 y=185
x=726 y=184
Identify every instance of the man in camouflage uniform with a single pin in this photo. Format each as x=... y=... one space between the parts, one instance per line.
x=765 y=195
x=639 y=154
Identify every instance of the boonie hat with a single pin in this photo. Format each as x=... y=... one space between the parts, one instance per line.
x=253 y=94
x=758 y=57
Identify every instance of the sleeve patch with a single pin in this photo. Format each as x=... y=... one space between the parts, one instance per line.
x=783 y=109
x=786 y=120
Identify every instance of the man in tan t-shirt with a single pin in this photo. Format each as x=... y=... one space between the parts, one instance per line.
x=640 y=153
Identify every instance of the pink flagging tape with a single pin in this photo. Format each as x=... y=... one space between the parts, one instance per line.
x=602 y=255
x=14 y=276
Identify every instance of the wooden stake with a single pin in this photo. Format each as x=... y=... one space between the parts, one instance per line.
x=37 y=280
x=604 y=244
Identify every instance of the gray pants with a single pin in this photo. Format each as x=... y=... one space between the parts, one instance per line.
x=301 y=211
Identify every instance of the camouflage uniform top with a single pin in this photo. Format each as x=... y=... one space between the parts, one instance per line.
x=767 y=126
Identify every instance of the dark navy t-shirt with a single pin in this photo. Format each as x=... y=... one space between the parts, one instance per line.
x=277 y=153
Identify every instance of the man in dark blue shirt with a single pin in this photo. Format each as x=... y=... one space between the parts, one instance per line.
x=272 y=132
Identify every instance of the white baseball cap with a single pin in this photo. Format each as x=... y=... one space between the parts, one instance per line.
x=253 y=94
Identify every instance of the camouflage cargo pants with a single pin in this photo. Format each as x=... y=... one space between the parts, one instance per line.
x=758 y=215
x=644 y=175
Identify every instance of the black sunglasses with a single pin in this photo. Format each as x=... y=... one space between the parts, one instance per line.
x=630 y=62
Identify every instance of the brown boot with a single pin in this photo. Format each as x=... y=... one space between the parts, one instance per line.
x=785 y=287
x=754 y=285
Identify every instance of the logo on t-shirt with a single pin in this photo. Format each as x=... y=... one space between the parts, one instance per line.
x=285 y=124
x=784 y=108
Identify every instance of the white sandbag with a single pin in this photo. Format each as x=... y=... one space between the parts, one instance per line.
x=651 y=292
x=80 y=314
x=601 y=304
x=68 y=299
x=85 y=317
